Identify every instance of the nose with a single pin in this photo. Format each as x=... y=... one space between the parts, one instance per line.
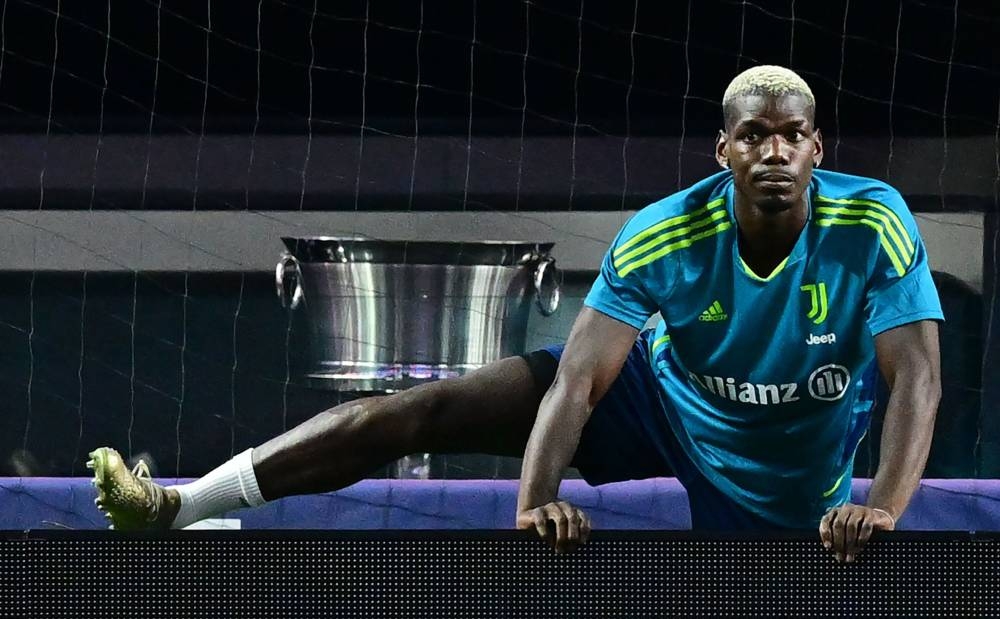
x=775 y=150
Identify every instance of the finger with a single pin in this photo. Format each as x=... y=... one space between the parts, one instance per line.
x=826 y=530
x=557 y=516
x=584 y=528
x=572 y=525
x=851 y=546
x=541 y=521
x=865 y=532
x=839 y=526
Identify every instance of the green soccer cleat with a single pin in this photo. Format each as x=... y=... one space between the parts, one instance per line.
x=129 y=499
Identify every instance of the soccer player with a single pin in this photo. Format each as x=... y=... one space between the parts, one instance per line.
x=781 y=289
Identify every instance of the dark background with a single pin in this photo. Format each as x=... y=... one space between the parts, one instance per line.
x=193 y=367
x=333 y=67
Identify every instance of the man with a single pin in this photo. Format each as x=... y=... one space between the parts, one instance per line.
x=779 y=289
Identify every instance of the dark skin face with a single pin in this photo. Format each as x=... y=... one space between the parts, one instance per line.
x=771 y=146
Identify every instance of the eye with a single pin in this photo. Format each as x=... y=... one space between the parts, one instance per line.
x=750 y=136
x=796 y=136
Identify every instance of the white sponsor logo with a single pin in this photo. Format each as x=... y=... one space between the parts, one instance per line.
x=826 y=338
x=829 y=382
x=747 y=393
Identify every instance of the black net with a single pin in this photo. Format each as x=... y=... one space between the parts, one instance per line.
x=154 y=152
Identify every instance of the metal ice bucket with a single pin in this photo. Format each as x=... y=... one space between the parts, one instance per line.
x=386 y=315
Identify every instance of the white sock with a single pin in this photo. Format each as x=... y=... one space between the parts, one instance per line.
x=231 y=486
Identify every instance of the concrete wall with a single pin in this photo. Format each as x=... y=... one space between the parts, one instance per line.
x=221 y=203
x=251 y=241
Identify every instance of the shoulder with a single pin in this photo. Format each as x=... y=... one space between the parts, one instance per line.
x=859 y=208
x=676 y=221
x=835 y=194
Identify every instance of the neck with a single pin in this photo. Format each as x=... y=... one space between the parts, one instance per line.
x=767 y=237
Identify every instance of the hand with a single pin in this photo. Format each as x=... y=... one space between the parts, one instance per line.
x=572 y=525
x=846 y=529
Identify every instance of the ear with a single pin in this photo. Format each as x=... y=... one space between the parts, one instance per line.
x=818 y=148
x=720 y=149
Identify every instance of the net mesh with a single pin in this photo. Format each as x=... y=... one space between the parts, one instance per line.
x=154 y=153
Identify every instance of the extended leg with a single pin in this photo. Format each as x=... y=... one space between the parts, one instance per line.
x=490 y=410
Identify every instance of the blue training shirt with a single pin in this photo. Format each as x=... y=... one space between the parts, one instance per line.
x=768 y=382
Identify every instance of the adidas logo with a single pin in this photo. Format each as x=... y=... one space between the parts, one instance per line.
x=714 y=313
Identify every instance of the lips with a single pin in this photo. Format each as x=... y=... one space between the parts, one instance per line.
x=773 y=182
x=773 y=177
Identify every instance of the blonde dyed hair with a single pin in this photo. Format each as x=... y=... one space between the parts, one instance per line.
x=767 y=80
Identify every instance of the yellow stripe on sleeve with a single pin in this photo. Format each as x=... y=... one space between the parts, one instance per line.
x=897 y=223
x=666 y=236
x=681 y=244
x=905 y=254
x=667 y=223
x=877 y=226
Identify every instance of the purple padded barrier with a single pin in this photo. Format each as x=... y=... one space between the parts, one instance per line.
x=657 y=504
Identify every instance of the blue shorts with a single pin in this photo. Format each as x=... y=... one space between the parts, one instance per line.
x=628 y=437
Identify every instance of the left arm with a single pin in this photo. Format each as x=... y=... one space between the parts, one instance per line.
x=908 y=357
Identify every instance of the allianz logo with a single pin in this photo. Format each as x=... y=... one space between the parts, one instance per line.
x=827 y=383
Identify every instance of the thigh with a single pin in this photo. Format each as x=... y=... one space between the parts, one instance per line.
x=490 y=410
x=627 y=435
x=493 y=409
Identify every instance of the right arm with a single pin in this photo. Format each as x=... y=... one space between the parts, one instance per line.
x=592 y=359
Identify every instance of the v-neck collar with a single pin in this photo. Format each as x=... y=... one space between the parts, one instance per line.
x=798 y=249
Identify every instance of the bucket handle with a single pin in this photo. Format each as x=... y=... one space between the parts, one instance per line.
x=546 y=308
x=288 y=263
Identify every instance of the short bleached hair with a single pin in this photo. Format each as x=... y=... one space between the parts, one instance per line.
x=766 y=80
